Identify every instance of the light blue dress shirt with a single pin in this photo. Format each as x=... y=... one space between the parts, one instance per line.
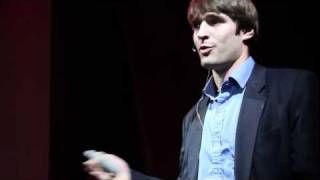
x=217 y=152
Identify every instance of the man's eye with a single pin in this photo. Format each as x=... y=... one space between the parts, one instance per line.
x=213 y=20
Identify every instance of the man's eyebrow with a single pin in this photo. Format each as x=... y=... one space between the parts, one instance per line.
x=209 y=17
x=214 y=15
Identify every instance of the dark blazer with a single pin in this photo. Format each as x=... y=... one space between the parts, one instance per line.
x=276 y=136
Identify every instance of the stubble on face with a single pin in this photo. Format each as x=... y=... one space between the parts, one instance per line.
x=224 y=44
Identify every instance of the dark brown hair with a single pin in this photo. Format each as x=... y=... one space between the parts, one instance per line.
x=243 y=12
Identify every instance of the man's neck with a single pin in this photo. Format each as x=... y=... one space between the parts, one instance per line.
x=220 y=76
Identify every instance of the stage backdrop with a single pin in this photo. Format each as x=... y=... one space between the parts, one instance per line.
x=25 y=28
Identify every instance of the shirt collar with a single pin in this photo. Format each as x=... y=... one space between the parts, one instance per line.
x=240 y=75
x=243 y=72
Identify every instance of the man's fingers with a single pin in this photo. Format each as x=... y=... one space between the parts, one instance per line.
x=92 y=165
x=100 y=165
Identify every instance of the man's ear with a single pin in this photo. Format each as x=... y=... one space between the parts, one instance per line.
x=246 y=34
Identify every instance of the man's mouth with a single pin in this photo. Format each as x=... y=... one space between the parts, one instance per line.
x=205 y=50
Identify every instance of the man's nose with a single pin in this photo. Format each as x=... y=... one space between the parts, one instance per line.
x=203 y=30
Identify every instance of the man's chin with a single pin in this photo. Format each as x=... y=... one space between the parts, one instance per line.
x=208 y=64
x=218 y=67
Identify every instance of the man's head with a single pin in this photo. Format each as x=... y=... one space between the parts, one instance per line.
x=222 y=30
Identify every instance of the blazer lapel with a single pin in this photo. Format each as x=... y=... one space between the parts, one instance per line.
x=251 y=110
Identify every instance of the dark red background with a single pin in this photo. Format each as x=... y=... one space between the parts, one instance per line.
x=24 y=87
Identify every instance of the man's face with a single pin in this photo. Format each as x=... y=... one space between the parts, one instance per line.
x=216 y=41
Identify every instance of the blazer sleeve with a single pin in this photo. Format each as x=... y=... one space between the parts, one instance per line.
x=136 y=175
x=182 y=150
x=304 y=112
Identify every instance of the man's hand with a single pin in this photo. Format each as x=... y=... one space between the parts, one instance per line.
x=94 y=168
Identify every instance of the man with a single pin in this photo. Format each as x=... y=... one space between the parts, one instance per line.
x=250 y=122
